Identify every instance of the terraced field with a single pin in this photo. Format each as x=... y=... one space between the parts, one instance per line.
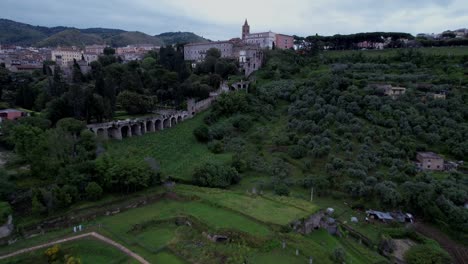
x=176 y=149
x=175 y=232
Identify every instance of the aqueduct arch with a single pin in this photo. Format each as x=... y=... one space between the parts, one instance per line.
x=166 y=123
x=126 y=131
x=158 y=125
x=150 y=126
x=137 y=127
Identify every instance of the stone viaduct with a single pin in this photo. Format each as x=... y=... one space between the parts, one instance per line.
x=136 y=127
x=161 y=120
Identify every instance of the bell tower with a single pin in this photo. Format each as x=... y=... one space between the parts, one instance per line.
x=245 y=30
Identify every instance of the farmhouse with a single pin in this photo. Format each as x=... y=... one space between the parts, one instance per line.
x=429 y=161
x=394 y=92
x=390 y=217
x=11 y=114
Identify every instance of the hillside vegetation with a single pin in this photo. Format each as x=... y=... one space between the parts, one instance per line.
x=12 y=32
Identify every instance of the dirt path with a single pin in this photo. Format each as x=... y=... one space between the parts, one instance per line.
x=92 y=234
x=458 y=252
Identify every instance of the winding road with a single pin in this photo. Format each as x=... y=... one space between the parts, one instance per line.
x=92 y=234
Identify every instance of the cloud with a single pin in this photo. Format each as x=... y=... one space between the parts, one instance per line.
x=220 y=19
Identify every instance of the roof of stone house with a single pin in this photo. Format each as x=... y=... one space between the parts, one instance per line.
x=208 y=43
x=257 y=33
x=284 y=35
x=380 y=215
x=10 y=110
x=429 y=155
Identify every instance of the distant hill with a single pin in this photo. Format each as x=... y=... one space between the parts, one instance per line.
x=70 y=37
x=17 y=33
x=180 y=37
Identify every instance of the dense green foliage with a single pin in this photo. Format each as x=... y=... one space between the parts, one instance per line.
x=345 y=42
x=213 y=175
x=349 y=137
x=425 y=254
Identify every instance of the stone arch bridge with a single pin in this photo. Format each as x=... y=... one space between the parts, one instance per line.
x=139 y=126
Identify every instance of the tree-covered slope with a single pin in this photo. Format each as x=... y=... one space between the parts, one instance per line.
x=180 y=37
x=16 y=33
x=70 y=37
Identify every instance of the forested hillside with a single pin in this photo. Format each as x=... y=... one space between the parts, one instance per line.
x=320 y=122
x=12 y=32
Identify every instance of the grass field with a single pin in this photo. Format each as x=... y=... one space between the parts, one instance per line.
x=449 y=51
x=214 y=217
x=88 y=250
x=275 y=211
x=176 y=149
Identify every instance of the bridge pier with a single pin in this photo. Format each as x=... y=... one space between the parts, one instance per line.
x=114 y=133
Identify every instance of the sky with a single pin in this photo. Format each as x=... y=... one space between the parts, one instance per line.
x=220 y=19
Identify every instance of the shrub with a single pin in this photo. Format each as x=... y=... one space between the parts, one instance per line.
x=213 y=175
x=297 y=151
x=216 y=146
x=239 y=163
x=242 y=123
x=281 y=189
x=219 y=131
x=93 y=191
x=202 y=133
x=338 y=255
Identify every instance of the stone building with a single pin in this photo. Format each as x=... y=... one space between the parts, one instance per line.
x=429 y=161
x=197 y=51
x=66 y=55
x=95 y=49
x=284 y=41
x=263 y=39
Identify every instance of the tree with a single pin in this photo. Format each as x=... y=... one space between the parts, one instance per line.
x=231 y=103
x=281 y=189
x=36 y=206
x=93 y=191
x=213 y=175
x=214 y=52
x=25 y=138
x=202 y=133
x=109 y=51
x=123 y=174
x=135 y=103
x=71 y=125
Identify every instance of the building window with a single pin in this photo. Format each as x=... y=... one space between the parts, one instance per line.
x=428 y=166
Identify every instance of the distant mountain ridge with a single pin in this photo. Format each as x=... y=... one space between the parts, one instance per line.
x=12 y=32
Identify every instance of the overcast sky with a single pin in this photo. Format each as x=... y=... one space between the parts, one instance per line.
x=220 y=19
